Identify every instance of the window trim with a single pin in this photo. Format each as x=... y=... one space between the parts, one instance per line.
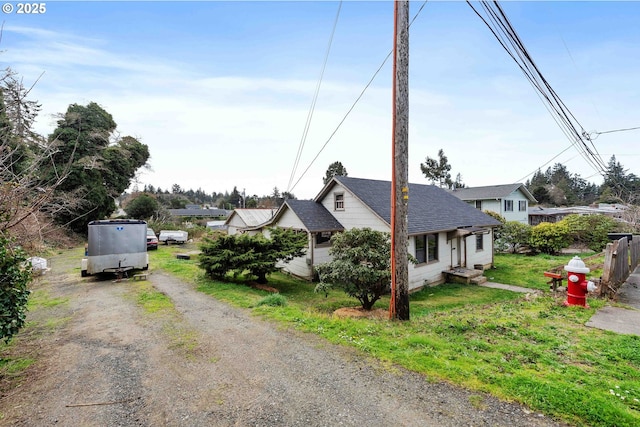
x=522 y=205
x=479 y=242
x=430 y=245
x=338 y=205
x=324 y=243
x=508 y=205
x=478 y=204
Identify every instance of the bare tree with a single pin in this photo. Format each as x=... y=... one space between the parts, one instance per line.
x=25 y=198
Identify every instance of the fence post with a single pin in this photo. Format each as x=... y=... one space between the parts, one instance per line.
x=608 y=267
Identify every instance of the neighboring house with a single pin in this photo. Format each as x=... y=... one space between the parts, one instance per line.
x=540 y=214
x=444 y=232
x=511 y=201
x=200 y=213
x=243 y=219
x=319 y=224
x=219 y=225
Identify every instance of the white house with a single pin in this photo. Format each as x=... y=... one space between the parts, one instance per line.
x=511 y=201
x=243 y=219
x=445 y=233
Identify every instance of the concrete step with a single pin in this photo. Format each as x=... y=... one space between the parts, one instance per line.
x=479 y=280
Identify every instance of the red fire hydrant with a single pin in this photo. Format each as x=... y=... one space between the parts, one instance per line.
x=577 y=284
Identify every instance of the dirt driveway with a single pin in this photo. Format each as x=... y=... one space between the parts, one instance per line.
x=208 y=364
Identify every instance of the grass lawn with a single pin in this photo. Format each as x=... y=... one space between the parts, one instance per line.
x=529 y=349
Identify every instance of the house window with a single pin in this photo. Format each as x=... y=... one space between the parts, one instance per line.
x=522 y=205
x=508 y=205
x=479 y=242
x=323 y=238
x=479 y=204
x=338 y=202
x=427 y=248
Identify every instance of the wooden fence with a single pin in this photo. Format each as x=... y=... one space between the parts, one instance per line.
x=620 y=260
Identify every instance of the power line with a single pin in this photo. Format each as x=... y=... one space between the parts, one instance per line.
x=540 y=167
x=375 y=74
x=589 y=136
x=307 y=124
x=499 y=25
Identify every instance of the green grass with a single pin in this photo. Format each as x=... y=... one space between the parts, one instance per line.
x=154 y=301
x=180 y=337
x=528 y=271
x=40 y=298
x=14 y=359
x=15 y=366
x=527 y=349
x=273 y=300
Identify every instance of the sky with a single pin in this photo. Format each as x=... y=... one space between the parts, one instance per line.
x=221 y=91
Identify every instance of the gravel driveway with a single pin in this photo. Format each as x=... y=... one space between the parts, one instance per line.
x=112 y=364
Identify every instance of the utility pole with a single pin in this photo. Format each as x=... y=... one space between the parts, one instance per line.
x=399 y=308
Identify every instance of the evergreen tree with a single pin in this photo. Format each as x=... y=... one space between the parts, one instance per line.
x=144 y=206
x=98 y=170
x=438 y=171
x=334 y=169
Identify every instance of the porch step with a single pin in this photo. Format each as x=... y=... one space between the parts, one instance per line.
x=462 y=275
x=479 y=280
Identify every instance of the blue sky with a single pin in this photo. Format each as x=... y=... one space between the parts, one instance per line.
x=220 y=91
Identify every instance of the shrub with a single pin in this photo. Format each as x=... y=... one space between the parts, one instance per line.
x=237 y=253
x=590 y=230
x=513 y=235
x=549 y=238
x=360 y=266
x=14 y=278
x=496 y=215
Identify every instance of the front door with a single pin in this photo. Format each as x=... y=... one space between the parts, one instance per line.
x=456 y=254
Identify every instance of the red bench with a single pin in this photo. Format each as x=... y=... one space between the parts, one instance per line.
x=556 y=279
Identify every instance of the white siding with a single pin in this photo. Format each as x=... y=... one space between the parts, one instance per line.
x=290 y=220
x=425 y=274
x=235 y=223
x=516 y=214
x=497 y=206
x=482 y=257
x=493 y=206
x=355 y=214
x=321 y=255
x=300 y=266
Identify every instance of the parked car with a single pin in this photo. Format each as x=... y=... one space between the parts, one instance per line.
x=152 y=240
x=173 y=236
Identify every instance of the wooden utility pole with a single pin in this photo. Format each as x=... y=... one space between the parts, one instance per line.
x=399 y=308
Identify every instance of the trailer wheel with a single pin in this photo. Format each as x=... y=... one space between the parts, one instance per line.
x=83 y=273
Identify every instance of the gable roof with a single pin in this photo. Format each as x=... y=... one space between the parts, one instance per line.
x=431 y=209
x=252 y=217
x=314 y=216
x=491 y=192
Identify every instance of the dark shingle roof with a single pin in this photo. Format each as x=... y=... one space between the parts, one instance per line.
x=491 y=192
x=431 y=209
x=199 y=212
x=314 y=216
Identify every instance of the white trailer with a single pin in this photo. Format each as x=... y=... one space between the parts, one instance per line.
x=173 y=236
x=115 y=246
